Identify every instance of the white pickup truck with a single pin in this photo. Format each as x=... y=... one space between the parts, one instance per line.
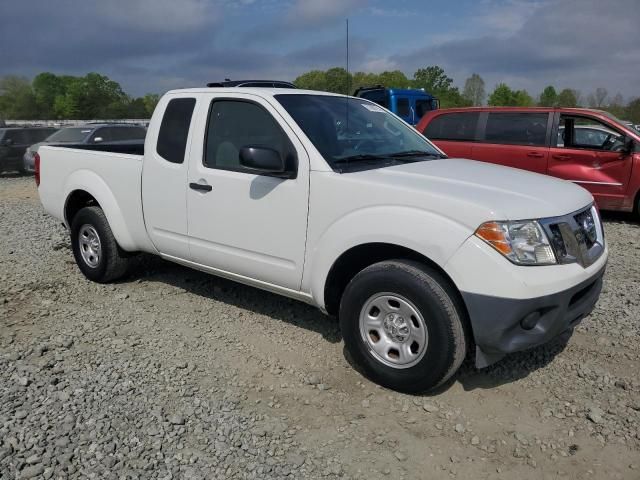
x=336 y=202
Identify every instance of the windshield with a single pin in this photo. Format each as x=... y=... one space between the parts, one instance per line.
x=73 y=134
x=348 y=130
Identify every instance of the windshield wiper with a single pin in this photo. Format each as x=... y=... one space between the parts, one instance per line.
x=361 y=158
x=416 y=153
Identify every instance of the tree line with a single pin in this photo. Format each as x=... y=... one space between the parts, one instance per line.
x=435 y=81
x=62 y=97
x=52 y=97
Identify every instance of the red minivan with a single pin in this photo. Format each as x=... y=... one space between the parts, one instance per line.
x=589 y=147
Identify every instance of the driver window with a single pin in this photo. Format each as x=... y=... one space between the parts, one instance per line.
x=588 y=133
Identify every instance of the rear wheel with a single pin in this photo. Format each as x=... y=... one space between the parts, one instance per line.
x=403 y=325
x=95 y=248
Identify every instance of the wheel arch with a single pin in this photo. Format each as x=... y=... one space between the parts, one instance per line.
x=357 y=258
x=85 y=188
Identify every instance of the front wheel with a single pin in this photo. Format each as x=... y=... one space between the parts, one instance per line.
x=95 y=248
x=402 y=324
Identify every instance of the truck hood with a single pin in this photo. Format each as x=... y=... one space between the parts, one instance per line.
x=483 y=191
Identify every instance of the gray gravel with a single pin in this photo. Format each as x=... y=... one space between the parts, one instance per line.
x=175 y=374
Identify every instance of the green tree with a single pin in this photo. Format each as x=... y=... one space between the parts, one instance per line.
x=338 y=81
x=395 y=79
x=633 y=111
x=503 y=95
x=436 y=82
x=46 y=87
x=474 y=90
x=313 y=80
x=567 y=98
x=17 y=101
x=432 y=79
x=364 y=79
x=548 y=97
x=150 y=101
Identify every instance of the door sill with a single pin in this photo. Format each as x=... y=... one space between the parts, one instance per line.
x=252 y=282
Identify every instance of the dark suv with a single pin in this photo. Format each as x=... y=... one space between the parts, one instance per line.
x=13 y=142
x=107 y=134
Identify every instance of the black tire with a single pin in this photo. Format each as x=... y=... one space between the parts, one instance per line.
x=436 y=302
x=112 y=262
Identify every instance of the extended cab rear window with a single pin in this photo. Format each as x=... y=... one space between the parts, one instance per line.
x=174 y=129
x=453 y=126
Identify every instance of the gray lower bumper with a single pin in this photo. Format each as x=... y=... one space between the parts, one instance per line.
x=505 y=325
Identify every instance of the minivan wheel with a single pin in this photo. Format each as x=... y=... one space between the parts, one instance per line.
x=402 y=324
x=95 y=248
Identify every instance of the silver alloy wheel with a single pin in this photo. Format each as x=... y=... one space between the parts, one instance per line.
x=90 y=246
x=394 y=330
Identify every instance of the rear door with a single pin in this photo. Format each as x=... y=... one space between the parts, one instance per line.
x=164 y=175
x=587 y=151
x=515 y=139
x=239 y=222
x=454 y=132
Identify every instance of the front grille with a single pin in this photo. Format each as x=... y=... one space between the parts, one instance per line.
x=587 y=226
x=576 y=238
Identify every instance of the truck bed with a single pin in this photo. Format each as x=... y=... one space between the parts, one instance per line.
x=113 y=178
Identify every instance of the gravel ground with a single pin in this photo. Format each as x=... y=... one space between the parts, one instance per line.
x=175 y=374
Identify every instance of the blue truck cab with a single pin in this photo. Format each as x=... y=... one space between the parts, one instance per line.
x=408 y=104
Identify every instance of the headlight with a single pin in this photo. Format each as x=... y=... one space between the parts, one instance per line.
x=524 y=243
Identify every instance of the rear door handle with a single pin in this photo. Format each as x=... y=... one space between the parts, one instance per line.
x=562 y=157
x=535 y=154
x=202 y=187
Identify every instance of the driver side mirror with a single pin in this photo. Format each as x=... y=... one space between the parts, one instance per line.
x=97 y=139
x=264 y=161
x=629 y=145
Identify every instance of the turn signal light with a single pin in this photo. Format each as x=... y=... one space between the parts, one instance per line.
x=494 y=235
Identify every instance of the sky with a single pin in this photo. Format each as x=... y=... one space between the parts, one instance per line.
x=156 y=45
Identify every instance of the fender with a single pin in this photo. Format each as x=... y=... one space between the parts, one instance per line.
x=94 y=185
x=409 y=227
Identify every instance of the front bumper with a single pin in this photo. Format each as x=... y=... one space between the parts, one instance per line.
x=507 y=325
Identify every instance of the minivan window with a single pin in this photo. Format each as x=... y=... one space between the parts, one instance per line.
x=174 y=129
x=517 y=128
x=453 y=126
x=588 y=133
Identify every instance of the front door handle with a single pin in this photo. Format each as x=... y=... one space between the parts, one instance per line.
x=202 y=187
x=535 y=154
x=562 y=157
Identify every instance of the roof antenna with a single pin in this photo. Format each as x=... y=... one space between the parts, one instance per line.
x=348 y=75
x=348 y=84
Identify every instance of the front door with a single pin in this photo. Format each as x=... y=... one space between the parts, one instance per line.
x=588 y=152
x=239 y=222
